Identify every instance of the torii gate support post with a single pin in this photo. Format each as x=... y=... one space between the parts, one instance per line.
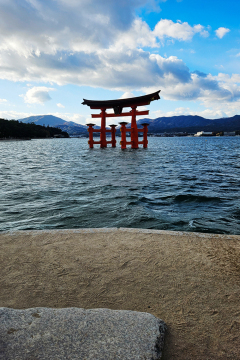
x=103 y=141
x=113 y=130
x=123 y=129
x=145 y=131
x=134 y=129
x=90 y=131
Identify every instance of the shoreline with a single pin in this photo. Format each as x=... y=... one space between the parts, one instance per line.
x=16 y=139
x=123 y=229
x=189 y=280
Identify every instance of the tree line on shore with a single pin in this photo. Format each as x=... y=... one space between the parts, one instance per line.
x=17 y=130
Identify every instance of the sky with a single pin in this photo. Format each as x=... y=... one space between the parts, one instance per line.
x=55 y=53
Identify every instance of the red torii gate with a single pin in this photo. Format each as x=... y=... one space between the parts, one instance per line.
x=117 y=106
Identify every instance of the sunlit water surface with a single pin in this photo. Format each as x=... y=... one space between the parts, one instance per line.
x=187 y=184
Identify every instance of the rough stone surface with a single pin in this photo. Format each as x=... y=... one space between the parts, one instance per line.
x=74 y=333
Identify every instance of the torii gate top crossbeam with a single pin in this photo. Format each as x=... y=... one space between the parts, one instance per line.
x=121 y=103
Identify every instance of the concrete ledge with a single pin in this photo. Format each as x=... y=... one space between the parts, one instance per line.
x=72 y=333
x=190 y=280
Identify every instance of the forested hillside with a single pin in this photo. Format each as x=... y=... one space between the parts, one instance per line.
x=18 y=130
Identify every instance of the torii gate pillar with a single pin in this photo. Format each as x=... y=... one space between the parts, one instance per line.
x=134 y=129
x=103 y=141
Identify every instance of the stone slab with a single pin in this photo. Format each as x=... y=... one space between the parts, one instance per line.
x=75 y=333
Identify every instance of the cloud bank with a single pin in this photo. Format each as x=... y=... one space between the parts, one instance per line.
x=101 y=44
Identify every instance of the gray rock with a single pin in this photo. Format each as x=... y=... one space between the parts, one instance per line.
x=73 y=333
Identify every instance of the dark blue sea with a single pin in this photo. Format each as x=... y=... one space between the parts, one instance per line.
x=179 y=183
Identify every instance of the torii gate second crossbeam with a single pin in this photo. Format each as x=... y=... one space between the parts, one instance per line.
x=117 y=106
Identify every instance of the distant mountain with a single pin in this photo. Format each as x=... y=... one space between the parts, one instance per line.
x=181 y=123
x=70 y=127
x=74 y=130
x=44 y=120
x=190 y=124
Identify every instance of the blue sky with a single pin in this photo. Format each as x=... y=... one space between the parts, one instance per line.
x=54 y=53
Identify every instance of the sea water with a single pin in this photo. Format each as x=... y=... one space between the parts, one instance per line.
x=178 y=183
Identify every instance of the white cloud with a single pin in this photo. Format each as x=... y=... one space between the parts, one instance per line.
x=101 y=44
x=14 y=115
x=60 y=105
x=204 y=33
x=37 y=95
x=220 y=32
x=139 y=35
x=77 y=118
x=220 y=67
x=3 y=101
x=208 y=89
x=179 y=31
x=225 y=78
x=127 y=95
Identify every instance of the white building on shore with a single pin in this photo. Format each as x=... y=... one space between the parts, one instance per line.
x=203 y=133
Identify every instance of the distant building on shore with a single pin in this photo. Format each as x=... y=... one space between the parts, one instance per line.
x=221 y=133
x=204 y=133
x=229 y=133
